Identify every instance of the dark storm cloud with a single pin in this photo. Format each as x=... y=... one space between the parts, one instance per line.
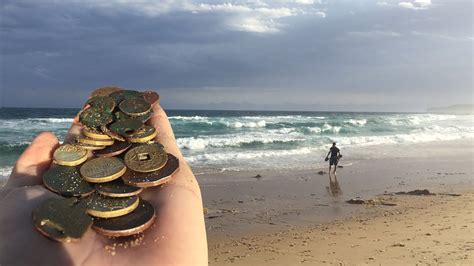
x=359 y=55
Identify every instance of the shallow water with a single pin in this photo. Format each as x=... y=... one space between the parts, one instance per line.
x=254 y=140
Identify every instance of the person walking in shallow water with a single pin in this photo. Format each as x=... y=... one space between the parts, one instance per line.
x=335 y=155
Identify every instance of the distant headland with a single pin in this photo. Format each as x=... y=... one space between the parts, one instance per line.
x=459 y=109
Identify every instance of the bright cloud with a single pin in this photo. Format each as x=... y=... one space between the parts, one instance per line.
x=416 y=4
x=261 y=16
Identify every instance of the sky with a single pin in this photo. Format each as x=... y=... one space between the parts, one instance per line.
x=334 y=55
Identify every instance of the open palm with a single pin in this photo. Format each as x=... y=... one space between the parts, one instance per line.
x=177 y=237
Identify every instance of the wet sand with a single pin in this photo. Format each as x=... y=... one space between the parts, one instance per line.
x=292 y=217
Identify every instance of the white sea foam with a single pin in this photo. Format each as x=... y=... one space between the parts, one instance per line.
x=196 y=117
x=51 y=120
x=236 y=140
x=357 y=122
x=261 y=123
x=249 y=155
x=328 y=128
x=5 y=172
x=316 y=130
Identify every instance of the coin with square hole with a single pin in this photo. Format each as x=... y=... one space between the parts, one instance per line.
x=155 y=178
x=145 y=158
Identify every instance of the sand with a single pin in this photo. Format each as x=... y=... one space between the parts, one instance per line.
x=294 y=217
x=419 y=230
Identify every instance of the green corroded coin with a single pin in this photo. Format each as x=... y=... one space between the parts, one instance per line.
x=127 y=127
x=64 y=220
x=143 y=135
x=66 y=181
x=135 y=106
x=105 y=91
x=119 y=96
x=104 y=103
x=107 y=207
x=117 y=189
x=94 y=117
x=123 y=116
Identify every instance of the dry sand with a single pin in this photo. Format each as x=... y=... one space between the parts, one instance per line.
x=296 y=217
x=419 y=230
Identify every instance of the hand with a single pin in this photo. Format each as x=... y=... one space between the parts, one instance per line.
x=178 y=236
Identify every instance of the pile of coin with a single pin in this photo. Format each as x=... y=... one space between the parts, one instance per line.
x=101 y=174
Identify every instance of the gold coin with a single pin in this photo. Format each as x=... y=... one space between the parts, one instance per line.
x=95 y=142
x=103 y=169
x=94 y=134
x=70 y=155
x=133 y=223
x=90 y=147
x=143 y=135
x=107 y=207
x=146 y=158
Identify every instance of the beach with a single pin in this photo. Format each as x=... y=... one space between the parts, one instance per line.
x=293 y=217
x=269 y=199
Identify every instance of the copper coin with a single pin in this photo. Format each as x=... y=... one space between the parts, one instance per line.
x=107 y=207
x=135 y=106
x=145 y=158
x=126 y=127
x=94 y=117
x=152 y=179
x=143 y=135
x=119 y=96
x=118 y=148
x=151 y=97
x=102 y=169
x=63 y=220
x=66 y=181
x=117 y=189
x=70 y=155
x=104 y=103
x=133 y=223
x=112 y=134
x=105 y=91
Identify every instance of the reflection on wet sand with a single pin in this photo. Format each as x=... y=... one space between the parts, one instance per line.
x=334 y=188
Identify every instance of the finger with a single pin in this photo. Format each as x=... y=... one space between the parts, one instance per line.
x=73 y=131
x=34 y=161
x=165 y=136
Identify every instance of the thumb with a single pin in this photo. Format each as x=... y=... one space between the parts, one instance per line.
x=34 y=161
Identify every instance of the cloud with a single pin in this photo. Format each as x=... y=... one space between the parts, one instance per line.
x=374 y=34
x=416 y=4
x=261 y=16
x=250 y=51
x=443 y=36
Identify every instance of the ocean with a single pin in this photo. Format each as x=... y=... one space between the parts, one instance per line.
x=214 y=141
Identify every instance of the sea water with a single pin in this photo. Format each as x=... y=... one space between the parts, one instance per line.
x=214 y=141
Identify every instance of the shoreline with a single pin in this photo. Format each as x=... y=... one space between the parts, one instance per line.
x=241 y=207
